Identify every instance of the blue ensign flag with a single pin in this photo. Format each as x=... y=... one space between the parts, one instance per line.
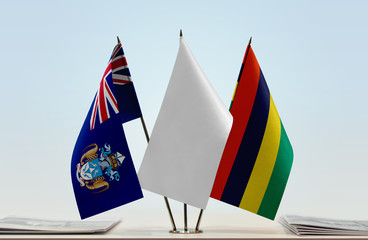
x=102 y=170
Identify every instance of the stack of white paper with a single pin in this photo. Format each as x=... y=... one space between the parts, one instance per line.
x=43 y=226
x=322 y=226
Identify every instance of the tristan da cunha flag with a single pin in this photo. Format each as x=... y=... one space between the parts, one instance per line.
x=102 y=170
x=258 y=156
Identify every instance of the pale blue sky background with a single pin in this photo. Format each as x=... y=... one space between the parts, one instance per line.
x=313 y=55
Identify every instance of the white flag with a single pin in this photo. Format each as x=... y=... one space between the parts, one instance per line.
x=188 y=138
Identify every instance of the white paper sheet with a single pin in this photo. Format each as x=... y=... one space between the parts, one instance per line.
x=47 y=226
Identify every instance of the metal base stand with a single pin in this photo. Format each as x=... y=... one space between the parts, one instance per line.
x=182 y=231
x=186 y=230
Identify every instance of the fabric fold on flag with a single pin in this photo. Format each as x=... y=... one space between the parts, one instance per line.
x=102 y=170
x=188 y=137
x=258 y=156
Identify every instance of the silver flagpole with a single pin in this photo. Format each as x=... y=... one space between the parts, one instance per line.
x=199 y=220
x=185 y=205
x=165 y=198
x=185 y=218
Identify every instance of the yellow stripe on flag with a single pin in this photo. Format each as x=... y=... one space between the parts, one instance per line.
x=236 y=87
x=232 y=100
x=264 y=164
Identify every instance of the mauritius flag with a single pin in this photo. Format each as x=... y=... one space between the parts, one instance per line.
x=257 y=158
x=102 y=170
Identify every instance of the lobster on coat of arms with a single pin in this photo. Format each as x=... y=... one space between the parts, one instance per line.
x=96 y=166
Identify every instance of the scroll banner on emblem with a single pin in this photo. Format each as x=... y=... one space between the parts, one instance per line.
x=102 y=170
x=188 y=137
x=258 y=156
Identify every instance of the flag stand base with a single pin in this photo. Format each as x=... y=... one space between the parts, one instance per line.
x=182 y=231
x=186 y=230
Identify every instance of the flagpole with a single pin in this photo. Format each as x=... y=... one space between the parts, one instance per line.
x=199 y=220
x=147 y=138
x=185 y=218
x=185 y=205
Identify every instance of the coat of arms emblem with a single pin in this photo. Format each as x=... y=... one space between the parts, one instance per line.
x=98 y=167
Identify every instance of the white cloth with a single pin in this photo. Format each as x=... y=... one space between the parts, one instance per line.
x=188 y=138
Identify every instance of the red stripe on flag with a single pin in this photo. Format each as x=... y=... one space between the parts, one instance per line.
x=118 y=63
x=111 y=95
x=241 y=110
x=120 y=81
x=107 y=70
x=94 y=114
x=102 y=103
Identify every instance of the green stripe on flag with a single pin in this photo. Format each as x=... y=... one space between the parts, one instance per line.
x=279 y=177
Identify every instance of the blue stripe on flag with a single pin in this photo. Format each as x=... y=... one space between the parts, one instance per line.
x=249 y=147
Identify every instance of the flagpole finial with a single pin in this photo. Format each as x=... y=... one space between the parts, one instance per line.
x=118 y=39
x=181 y=33
x=250 y=41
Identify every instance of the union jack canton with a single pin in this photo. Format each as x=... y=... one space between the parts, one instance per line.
x=118 y=70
